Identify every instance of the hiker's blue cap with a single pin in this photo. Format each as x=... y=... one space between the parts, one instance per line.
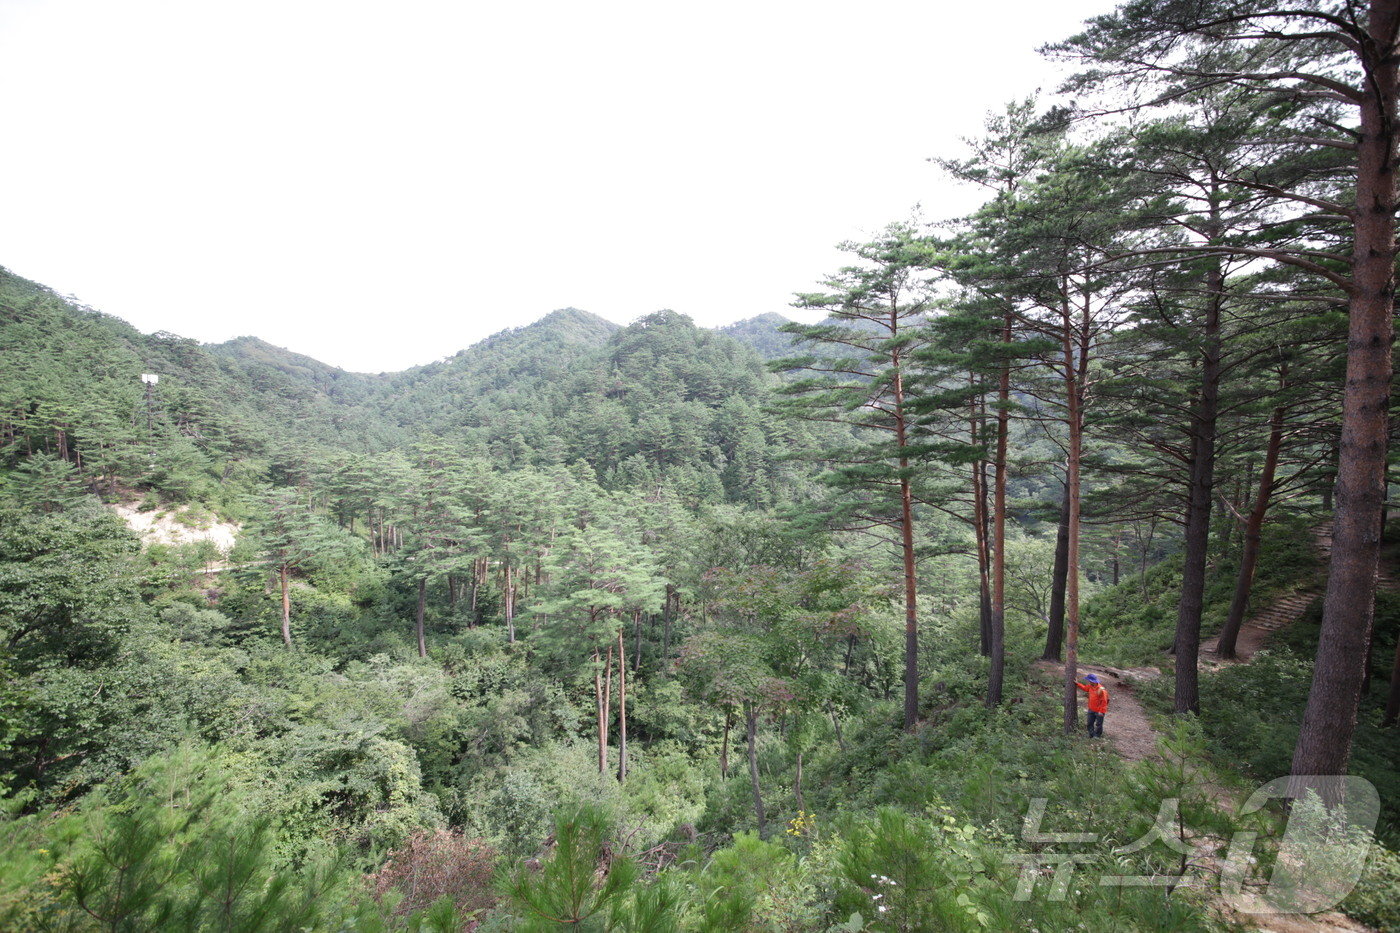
x=1092 y=678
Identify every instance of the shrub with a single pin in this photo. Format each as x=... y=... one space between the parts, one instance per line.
x=434 y=864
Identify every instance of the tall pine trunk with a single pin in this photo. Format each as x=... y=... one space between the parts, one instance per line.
x=1253 y=533
x=979 y=532
x=906 y=529
x=1055 y=633
x=998 y=633
x=984 y=588
x=1348 y=609
x=1075 y=417
x=1187 y=698
x=621 y=704
x=419 y=616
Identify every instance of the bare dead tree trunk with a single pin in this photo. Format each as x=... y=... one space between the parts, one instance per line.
x=284 y=573
x=797 y=786
x=1348 y=609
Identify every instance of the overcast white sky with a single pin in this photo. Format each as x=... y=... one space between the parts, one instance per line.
x=381 y=184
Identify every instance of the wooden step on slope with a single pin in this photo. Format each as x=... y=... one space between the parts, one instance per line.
x=1282 y=611
x=1386 y=578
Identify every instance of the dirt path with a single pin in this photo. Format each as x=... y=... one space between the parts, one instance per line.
x=1133 y=737
x=1126 y=726
x=1131 y=734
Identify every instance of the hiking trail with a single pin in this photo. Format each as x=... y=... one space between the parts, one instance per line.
x=1130 y=732
x=1126 y=727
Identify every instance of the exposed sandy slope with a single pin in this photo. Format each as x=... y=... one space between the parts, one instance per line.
x=163 y=528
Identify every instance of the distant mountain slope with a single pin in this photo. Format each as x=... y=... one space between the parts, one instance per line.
x=71 y=388
x=762 y=335
x=660 y=400
x=544 y=347
x=253 y=351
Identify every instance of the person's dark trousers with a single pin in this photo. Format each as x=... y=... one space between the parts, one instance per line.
x=1095 y=724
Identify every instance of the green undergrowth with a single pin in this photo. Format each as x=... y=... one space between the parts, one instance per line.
x=922 y=831
x=1250 y=713
x=1134 y=623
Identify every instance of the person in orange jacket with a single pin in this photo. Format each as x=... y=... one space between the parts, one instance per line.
x=1098 y=703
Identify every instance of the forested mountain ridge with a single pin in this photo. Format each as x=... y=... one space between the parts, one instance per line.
x=763 y=333
x=658 y=397
x=72 y=389
x=252 y=350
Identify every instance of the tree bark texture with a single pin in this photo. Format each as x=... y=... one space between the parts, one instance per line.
x=1199 y=498
x=1055 y=633
x=906 y=515
x=1074 y=415
x=1329 y=720
x=998 y=620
